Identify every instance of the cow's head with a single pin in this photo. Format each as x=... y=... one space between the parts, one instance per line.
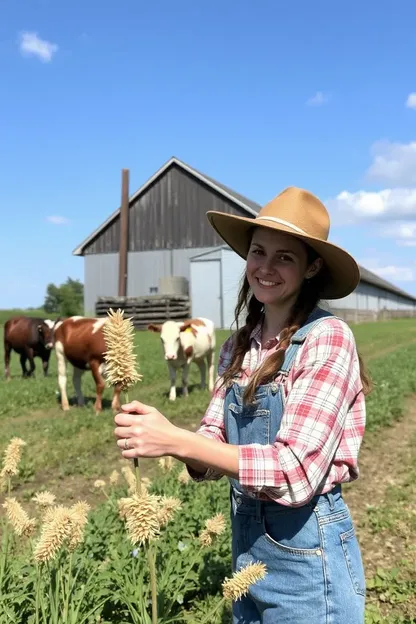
x=45 y=331
x=170 y=338
x=175 y=336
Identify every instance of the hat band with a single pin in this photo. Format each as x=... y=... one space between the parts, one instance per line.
x=283 y=222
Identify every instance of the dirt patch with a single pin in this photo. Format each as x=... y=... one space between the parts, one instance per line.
x=383 y=461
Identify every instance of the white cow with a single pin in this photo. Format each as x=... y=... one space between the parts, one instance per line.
x=186 y=342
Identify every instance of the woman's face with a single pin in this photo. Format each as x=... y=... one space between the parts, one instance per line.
x=277 y=264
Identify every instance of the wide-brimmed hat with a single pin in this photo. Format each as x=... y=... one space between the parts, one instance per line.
x=301 y=214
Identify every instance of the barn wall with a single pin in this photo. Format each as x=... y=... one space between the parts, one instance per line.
x=369 y=297
x=170 y=214
x=100 y=279
x=144 y=269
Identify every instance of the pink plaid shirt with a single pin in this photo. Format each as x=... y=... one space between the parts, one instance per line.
x=323 y=421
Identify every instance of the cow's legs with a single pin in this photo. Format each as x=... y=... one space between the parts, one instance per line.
x=23 y=358
x=7 y=351
x=30 y=357
x=185 y=374
x=45 y=363
x=211 y=369
x=203 y=372
x=60 y=358
x=115 y=403
x=76 y=380
x=172 y=377
x=99 y=385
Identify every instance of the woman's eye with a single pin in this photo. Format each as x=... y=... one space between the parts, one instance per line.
x=285 y=258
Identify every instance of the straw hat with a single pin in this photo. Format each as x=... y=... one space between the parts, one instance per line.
x=300 y=214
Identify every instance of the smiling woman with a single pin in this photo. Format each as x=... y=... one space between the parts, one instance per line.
x=286 y=419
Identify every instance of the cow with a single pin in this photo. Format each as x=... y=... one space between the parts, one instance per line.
x=30 y=337
x=80 y=341
x=184 y=342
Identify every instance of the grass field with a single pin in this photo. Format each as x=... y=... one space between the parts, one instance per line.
x=66 y=451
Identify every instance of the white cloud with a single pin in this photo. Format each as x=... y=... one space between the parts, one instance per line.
x=318 y=99
x=388 y=204
x=31 y=44
x=403 y=231
x=57 y=220
x=394 y=163
x=411 y=100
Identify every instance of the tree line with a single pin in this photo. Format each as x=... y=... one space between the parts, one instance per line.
x=66 y=299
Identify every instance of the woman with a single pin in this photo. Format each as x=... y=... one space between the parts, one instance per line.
x=286 y=419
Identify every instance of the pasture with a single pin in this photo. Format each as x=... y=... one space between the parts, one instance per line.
x=67 y=452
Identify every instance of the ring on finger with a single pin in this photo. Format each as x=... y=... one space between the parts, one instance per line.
x=126 y=444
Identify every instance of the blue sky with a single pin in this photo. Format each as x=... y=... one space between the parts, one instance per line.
x=258 y=95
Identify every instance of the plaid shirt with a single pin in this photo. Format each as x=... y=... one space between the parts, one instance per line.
x=322 y=425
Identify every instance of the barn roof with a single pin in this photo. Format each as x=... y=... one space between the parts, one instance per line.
x=246 y=204
x=251 y=207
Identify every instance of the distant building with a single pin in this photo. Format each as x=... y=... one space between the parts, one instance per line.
x=168 y=227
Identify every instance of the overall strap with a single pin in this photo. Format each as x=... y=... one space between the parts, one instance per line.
x=299 y=337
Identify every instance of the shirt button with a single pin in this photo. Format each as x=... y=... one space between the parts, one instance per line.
x=238 y=500
x=273 y=387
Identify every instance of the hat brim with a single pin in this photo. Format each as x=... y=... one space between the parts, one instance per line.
x=343 y=270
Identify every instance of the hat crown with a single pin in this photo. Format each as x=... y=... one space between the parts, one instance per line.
x=300 y=209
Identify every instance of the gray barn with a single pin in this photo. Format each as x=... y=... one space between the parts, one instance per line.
x=168 y=227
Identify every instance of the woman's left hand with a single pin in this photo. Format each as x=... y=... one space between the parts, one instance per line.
x=145 y=431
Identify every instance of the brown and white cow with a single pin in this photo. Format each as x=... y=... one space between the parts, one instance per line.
x=185 y=342
x=30 y=338
x=80 y=341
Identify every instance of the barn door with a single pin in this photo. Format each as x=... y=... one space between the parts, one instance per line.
x=206 y=290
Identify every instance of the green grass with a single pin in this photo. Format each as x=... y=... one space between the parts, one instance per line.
x=34 y=312
x=29 y=408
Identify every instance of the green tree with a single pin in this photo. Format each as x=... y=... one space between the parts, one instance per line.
x=66 y=299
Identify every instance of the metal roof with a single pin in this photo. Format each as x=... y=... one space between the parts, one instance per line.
x=251 y=207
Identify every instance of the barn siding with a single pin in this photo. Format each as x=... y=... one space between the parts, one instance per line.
x=144 y=270
x=170 y=214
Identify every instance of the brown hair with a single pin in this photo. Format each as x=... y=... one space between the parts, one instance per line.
x=308 y=298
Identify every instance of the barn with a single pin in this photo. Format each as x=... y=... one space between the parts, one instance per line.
x=172 y=248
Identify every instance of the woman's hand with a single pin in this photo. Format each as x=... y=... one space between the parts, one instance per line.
x=142 y=431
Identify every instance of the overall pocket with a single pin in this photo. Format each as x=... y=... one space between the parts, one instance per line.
x=248 y=424
x=353 y=560
x=294 y=532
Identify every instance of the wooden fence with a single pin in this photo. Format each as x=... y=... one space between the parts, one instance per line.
x=146 y=310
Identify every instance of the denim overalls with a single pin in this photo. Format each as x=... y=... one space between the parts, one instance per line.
x=315 y=572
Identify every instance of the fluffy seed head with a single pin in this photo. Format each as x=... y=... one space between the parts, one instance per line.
x=99 y=483
x=11 y=459
x=169 y=506
x=239 y=584
x=79 y=515
x=61 y=525
x=166 y=463
x=120 y=358
x=114 y=477
x=130 y=478
x=184 y=477
x=44 y=499
x=216 y=525
x=205 y=538
x=18 y=518
x=141 y=517
x=55 y=531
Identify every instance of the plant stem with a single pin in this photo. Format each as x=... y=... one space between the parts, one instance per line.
x=213 y=612
x=185 y=576
x=136 y=461
x=152 y=569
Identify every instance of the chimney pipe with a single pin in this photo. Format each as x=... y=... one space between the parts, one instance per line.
x=124 y=234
